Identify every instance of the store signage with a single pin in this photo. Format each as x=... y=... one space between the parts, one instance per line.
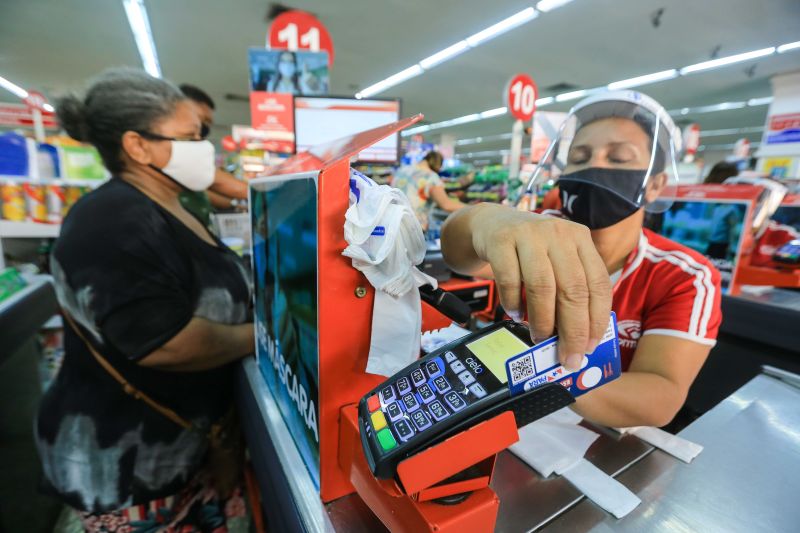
x=273 y=113
x=20 y=115
x=520 y=96
x=35 y=100
x=783 y=129
x=691 y=138
x=300 y=30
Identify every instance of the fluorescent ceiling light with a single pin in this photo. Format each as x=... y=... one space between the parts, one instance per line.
x=487 y=138
x=381 y=86
x=722 y=61
x=644 y=80
x=731 y=131
x=49 y=108
x=448 y=53
x=546 y=6
x=759 y=101
x=503 y=26
x=788 y=46
x=494 y=112
x=641 y=80
x=13 y=88
x=724 y=106
x=570 y=95
x=140 y=25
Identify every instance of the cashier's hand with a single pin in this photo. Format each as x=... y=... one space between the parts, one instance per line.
x=565 y=281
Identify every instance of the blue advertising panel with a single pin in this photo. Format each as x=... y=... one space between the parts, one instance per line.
x=284 y=230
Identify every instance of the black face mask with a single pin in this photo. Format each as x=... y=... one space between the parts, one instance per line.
x=601 y=197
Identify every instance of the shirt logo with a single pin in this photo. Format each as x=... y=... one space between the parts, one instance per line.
x=568 y=200
x=629 y=333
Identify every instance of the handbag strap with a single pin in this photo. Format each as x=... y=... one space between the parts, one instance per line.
x=126 y=386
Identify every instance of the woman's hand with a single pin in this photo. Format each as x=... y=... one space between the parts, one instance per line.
x=566 y=282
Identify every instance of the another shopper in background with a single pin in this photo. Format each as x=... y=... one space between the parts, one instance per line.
x=148 y=290
x=226 y=192
x=424 y=187
x=720 y=172
x=570 y=273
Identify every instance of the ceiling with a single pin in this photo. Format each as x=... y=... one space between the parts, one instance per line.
x=55 y=46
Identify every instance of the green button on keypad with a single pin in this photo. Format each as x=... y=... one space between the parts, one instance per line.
x=386 y=439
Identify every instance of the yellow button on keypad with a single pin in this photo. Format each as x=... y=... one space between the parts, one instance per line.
x=378 y=420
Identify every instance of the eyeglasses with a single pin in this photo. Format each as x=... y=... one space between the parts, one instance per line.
x=156 y=137
x=205 y=129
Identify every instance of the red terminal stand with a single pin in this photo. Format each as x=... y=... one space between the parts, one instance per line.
x=343 y=291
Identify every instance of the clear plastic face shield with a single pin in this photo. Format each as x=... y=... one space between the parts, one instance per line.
x=609 y=158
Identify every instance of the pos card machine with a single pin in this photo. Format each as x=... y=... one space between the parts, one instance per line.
x=470 y=380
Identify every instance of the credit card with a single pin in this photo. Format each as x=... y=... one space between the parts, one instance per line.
x=539 y=365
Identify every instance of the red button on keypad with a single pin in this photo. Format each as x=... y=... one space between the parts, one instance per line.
x=373 y=404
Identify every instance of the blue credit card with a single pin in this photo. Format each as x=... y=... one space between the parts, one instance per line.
x=539 y=365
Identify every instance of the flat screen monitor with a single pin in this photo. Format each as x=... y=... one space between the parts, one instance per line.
x=319 y=120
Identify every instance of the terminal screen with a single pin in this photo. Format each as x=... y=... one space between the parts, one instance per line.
x=495 y=348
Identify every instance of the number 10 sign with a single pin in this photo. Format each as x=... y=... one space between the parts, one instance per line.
x=520 y=95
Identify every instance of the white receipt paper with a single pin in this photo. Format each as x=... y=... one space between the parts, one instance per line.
x=674 y=445
x=557 y=444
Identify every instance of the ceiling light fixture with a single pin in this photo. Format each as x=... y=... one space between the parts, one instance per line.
x=707 y=65
x=501 y=27
x=731 y=131
x=494 y=112
x=759 y=101
x=382 y=85
x=788 y=46
x=13 y=88
x=49 y=108
x=451 y=51
x=545 y=6
x=140 y=26
x=572 y=95
x=448 y=53
x=644 y=80
x=728 y=60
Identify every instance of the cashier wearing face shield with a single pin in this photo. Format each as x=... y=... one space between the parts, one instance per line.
x=566 y=270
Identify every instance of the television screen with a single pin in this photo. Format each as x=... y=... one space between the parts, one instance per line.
x=708 y=226
x=321 y=120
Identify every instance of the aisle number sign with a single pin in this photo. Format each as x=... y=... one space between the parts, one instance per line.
x=299 y=30
x=520 y=95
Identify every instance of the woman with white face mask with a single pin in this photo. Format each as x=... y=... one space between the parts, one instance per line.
x=569 y=270
x=149 y=297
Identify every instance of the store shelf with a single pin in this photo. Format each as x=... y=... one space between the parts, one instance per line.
x=28 y=230
x=66 y=182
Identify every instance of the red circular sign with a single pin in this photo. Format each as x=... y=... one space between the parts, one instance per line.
x=35 y=100
x=300 y=30
x=520 y=95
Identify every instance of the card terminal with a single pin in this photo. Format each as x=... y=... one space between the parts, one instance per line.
x=447 y=391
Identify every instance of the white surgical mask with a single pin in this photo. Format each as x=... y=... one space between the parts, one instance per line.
x=191 y=164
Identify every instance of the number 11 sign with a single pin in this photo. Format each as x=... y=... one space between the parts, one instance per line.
x=521 y=93
x=299 y=30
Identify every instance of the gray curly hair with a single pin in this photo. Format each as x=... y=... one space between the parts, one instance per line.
x=118 y=100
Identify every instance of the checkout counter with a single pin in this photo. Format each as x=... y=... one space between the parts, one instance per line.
x=748 y=469
x=726 y=488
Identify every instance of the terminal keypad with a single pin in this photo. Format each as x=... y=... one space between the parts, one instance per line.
x=428 y=394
